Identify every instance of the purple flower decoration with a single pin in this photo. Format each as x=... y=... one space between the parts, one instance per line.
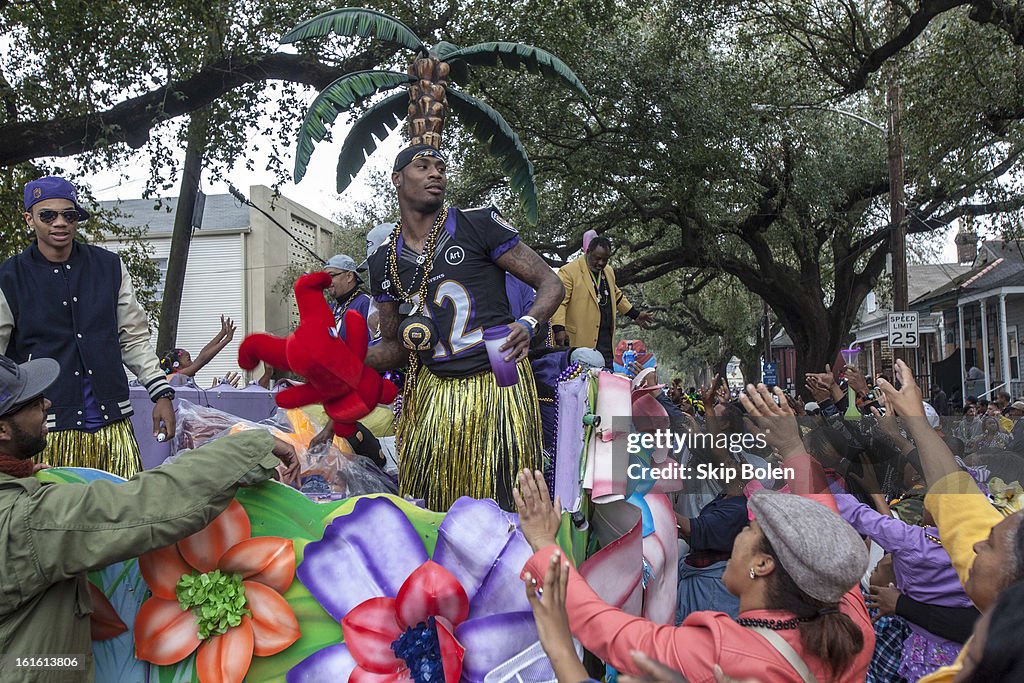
x=370 y=552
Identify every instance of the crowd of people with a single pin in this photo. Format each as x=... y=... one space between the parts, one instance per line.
x=888 y=552
x=914 y=574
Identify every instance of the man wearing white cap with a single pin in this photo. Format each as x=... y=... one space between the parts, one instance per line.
x=345 y=290
x=379 y=234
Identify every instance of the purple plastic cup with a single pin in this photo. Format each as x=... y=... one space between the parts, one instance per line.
x=505 y=371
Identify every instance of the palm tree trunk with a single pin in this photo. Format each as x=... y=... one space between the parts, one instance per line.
x=428 y=101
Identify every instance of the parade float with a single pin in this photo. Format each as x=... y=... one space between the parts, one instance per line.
x=297 y=584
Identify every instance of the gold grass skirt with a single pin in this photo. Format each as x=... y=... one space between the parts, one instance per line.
x=113 y=448
x=466 y=436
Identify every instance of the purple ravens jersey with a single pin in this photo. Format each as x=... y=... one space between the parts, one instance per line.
x=465 y=290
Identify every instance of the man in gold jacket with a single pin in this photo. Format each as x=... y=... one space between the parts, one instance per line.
x=586 y=317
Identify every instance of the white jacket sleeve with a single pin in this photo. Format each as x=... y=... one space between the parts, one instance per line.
x=133 y=332
x=6 y=323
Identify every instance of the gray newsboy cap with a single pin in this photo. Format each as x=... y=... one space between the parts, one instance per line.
x=823 y=554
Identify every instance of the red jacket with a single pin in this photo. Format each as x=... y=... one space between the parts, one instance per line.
x=705 y=638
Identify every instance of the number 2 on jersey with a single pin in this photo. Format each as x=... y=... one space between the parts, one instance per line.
x=460 y=339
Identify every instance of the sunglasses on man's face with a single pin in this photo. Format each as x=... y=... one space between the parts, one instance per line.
x=49 y=215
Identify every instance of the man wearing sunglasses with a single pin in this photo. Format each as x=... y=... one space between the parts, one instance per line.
x=74 y=302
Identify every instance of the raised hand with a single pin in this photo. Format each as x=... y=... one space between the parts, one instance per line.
x=776 y=419
x=539 y=519
x=547 y=601
x=907 y=400
x=227 y=329
x=817 y=389
x=856 y=380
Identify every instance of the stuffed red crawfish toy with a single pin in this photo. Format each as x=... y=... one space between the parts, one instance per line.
x=333 y=368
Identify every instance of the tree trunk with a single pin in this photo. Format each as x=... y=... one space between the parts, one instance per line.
x=181 y=238
x=428 y=101
x=750 y=364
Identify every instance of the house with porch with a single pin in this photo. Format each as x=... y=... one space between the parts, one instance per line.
x=871 y=334
x=982 y=316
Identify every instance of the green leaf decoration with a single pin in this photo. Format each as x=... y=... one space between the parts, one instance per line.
x=337 y=97
x=489 y=127
x=356 y=21
x=278 y=510
x=60 y=475
x=378 y=121
x=444 y=48
x=514 y=55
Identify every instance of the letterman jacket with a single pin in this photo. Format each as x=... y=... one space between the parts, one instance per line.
x=77 y=313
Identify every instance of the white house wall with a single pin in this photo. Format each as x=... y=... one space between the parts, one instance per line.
x=214 y=281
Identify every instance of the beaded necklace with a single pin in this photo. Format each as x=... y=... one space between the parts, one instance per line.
x=773 y=624
x=424 y=264
x=597 y=287
x=340 y=308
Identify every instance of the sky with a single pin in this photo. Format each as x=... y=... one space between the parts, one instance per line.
x=317 y=189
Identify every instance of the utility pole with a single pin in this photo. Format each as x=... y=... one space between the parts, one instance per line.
x=897 y=203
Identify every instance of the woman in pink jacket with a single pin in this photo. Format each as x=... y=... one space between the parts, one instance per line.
x=795 y=569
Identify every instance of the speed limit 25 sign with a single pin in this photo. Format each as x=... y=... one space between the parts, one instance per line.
x=903 y=330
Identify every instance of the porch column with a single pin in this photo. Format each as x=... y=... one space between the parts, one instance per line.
x=984 y=351
x=942 y=336
x=1004 y=347
x=963 y=355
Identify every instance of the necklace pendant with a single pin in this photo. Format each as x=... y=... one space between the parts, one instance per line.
x=421 y=259
x=386 y=285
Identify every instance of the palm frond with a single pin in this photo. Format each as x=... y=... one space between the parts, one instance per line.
x=514 y=55
x=337 y=97
x=378 y=121
x=356 y=21
x=444 y=48
x=490 y=127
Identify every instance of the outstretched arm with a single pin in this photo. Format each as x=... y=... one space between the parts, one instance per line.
x=210 y=351
x=936 y=458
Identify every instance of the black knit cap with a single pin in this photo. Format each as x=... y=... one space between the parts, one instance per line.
x=413 y=152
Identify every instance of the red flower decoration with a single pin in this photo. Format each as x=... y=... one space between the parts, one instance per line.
x=104 y=623
x=371 y=628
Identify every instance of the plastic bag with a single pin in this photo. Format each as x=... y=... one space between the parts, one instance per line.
x=328 y=474
x=325 y=474
x=198 y=424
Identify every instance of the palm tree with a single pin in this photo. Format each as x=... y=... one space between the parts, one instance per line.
x=426 y=103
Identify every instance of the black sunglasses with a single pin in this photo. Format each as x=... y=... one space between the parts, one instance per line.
x=49 y=215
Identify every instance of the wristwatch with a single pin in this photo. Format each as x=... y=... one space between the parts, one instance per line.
x=530 y=322
x=166 y=393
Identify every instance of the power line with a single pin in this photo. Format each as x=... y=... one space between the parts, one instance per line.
x=237 y=194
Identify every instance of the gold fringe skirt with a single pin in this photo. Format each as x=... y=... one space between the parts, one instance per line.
x=112 y=448
x=466 y=436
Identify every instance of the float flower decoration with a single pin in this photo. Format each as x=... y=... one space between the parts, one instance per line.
x=218 y=591
x=407 y=616
x=104 y=622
